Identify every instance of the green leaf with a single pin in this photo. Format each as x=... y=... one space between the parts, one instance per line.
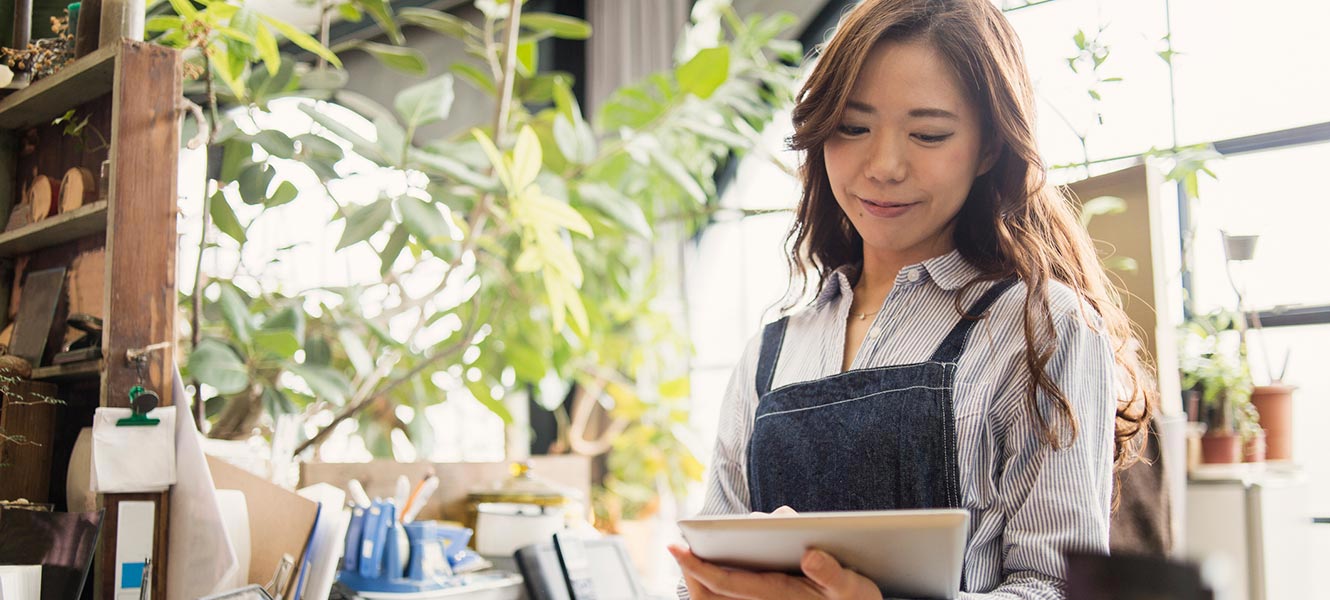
x=279 y=343
x=275 y=143
x=356 y=352
x=318 y=351
x=718 y=134
x=319 y=147
x=285 y=192
x=1079 y=38
x=482 y=394
x=438 y=164
x=302 y=39
x=277 y=403
x=571 y=143
x=526 y=58
x=393 y=249
x=391 y=139
x=502 y=166
x=350 y=12
x=526 y=159
x=327 y=383
x=616 y=206
x=477 y=76
x=439 y=22
x=426 y=102
x=382 y=12
x=254 y=182
x=266 y=45
x=424 y=222
x=214 y=363
x=358 y=142
x=366 y=222
x=1102 y=205
x=235 y=311
x=705 y=72
x=544 y=210
x=406 y=60
x=675 y=169
x=163 y=23
x=185 y=8
x=289 y=318
x=560 y=26
x=675 y=388
x=224 y=218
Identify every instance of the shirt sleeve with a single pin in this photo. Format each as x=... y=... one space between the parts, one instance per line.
x=727 y=477
x=1056 y=500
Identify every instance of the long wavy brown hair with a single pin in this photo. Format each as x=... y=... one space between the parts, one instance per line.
x=1012 y=224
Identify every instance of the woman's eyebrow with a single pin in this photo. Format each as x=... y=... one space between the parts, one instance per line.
x=919 y=113
x=915 y=113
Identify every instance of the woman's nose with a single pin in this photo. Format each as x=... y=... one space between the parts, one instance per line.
x=886 y=162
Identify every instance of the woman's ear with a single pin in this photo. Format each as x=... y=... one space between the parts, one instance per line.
x=988 y=158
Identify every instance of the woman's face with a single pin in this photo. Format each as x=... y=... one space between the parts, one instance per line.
x=905 y=152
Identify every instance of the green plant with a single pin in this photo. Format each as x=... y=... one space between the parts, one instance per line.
x=521 y=255
x=1219 y=373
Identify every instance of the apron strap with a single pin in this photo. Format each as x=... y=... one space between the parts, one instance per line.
x=949 y=351
x=773 y=337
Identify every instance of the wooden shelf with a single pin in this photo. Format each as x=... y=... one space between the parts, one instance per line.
x=82 y=222
x=87 y=78
x=87 y=369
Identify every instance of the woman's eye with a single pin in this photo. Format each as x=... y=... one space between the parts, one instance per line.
x=931 y=139
x=851 y=130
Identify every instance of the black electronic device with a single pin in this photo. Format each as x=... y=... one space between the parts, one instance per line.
x=570 y=567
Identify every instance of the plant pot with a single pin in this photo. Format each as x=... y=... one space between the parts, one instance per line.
x=1221 y=448
x=1191 y=402
x=1275 y=405
x=1255 y=450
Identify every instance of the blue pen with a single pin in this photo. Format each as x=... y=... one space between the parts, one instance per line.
x=354 y=533
x=371 y=546
x=392 y=553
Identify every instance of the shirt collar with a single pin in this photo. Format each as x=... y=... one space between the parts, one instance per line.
x=949 y=271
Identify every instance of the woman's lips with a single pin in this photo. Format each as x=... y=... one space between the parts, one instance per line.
x=886 y=209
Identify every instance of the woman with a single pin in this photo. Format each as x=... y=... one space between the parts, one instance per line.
x=965 y=348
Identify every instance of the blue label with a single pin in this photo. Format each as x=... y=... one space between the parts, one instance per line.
x=131 y=575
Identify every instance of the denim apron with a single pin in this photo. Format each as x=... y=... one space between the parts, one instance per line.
x=866 y=439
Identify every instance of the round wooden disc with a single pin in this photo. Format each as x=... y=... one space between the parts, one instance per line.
x=43 y=194
x=77 y=188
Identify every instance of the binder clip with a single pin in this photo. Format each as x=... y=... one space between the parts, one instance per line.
x=141 y=402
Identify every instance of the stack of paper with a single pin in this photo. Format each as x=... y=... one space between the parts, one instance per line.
x=20 y=582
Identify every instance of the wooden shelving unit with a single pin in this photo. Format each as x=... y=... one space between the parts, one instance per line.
x=70 y=371
x=119 y=252
x=80 y=223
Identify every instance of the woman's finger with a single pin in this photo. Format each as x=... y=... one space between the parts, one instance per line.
x=728 y=583
x=835 y=580
x=784 y=510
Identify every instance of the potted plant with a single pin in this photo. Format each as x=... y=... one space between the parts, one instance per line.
x=1223 y=382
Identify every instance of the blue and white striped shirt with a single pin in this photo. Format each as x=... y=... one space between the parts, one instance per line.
x=1028 y=503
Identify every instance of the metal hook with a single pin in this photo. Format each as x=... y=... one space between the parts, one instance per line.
x=140 y=355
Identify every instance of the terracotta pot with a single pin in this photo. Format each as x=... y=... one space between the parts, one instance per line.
x=1275 y=405
x=1255 y=450
x=1221 y=448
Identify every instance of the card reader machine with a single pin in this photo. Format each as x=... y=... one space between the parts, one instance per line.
x=573 y=567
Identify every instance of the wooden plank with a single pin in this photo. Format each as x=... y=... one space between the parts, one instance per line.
x=79 y=82
x=87 y=369
x=140 y=247
x=85 y=221
x=27 y=465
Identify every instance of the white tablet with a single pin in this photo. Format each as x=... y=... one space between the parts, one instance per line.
x=908 y=553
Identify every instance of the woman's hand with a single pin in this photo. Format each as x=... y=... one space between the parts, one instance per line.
x=823 y=578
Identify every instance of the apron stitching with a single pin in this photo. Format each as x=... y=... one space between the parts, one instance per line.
x=855 y=371
x=794 y=410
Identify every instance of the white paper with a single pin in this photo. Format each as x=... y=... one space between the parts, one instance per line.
x=21 y=582
x=327 y=540
x=133 y=546
x=203 y=557
x=133 y=459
